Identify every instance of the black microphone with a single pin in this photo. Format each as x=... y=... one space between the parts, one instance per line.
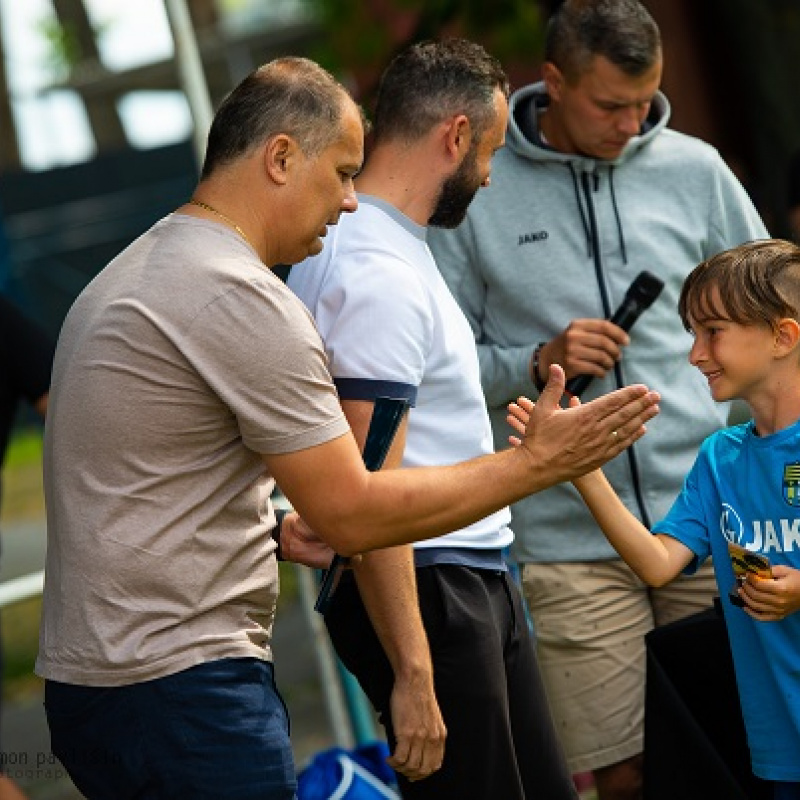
x=640 y=295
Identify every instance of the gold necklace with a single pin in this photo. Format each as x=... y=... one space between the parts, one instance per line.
x=195 y=202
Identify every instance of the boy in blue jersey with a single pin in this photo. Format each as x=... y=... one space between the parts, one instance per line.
x=743 y=308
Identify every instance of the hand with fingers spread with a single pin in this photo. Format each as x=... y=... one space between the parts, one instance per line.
x=771 y=600
x=572 y=441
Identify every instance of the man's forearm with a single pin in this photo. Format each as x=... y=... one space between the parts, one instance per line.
x=387 y=584
x=355 y=510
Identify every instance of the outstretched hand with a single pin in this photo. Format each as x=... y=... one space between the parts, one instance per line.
x=575 y=440
x=518 y=415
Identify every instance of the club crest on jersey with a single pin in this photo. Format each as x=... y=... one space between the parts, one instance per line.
x=791 y=484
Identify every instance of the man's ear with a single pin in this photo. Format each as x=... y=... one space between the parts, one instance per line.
x=458 y=136
x=787 y=336
x=280 y=152
x=553 y=80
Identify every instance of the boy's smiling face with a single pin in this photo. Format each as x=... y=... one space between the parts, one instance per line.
x=736 y=359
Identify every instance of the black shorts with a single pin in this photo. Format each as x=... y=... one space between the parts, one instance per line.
x=500 y=737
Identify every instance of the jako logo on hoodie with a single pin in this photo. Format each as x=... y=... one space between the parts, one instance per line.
x=531 y=238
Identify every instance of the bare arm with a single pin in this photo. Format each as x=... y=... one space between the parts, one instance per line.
x=355 y=510
x=387 y=584
x=656 y=559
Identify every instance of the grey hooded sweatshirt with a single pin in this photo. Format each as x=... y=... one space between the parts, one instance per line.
x=557 y=237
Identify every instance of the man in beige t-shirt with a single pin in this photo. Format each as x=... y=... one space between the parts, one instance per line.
x=187 y=381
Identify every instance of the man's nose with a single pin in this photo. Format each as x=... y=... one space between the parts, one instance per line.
x=629 y=121
x=350 y=200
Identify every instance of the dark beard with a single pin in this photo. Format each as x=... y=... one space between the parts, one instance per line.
x=456 y=194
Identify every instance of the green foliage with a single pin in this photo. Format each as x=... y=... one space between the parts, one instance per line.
x=289 y=589
x=23 y=496
x=25 y=448
x=64 y=46
x=362 y=37
x=353 y=39
x=520 y=35
x=20 y=633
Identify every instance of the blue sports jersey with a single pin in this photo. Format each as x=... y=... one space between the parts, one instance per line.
x=745 y=488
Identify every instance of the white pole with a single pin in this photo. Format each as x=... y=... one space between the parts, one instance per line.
x=332 y=691
x=191 y=74
x=25 y=587
x=330 y=683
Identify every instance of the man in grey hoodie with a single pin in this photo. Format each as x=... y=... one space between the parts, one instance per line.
x=591 y=189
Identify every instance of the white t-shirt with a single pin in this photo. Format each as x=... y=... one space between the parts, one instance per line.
x=387 y=317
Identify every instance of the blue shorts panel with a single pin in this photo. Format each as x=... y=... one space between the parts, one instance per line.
x=216 y=730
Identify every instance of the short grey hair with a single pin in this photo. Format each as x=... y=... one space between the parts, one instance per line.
x=294 y=96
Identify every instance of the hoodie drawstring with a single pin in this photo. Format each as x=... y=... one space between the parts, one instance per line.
x=584 y=220
x=586 y=228
x=588 y=185
x=620 y=233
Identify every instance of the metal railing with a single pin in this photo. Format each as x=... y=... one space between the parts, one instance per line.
x=16 y=590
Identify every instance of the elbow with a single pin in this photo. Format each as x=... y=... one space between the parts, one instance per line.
x=655 y=578
x=344 y=527
x=347 y=547
x=343 y=538
x=354 y=539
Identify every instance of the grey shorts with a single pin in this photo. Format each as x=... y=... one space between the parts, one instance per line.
x=590 y=620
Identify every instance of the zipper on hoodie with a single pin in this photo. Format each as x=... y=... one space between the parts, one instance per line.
x=597 y=258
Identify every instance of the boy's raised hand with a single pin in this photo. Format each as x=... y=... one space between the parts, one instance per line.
x=518 y=415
